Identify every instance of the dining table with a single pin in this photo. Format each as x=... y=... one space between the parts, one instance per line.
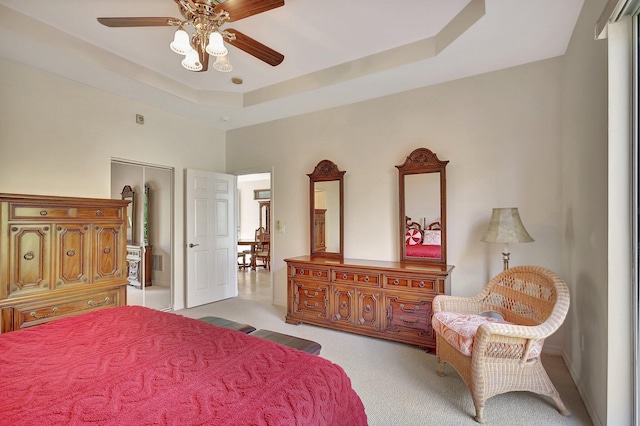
x=253 y=244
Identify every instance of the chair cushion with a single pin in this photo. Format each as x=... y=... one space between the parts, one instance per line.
x=459 y=330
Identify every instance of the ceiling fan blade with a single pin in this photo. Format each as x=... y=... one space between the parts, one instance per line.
x=138 y=22
x=255 y=48
x=240 y=9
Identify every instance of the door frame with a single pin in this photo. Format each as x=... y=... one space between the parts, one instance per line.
x=272 y=210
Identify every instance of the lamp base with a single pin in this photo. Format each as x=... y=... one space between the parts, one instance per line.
x=505 y=260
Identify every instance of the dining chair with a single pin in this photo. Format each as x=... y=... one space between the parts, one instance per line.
x=263 y=252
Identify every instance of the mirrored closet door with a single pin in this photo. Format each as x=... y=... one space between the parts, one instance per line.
x=149 y=231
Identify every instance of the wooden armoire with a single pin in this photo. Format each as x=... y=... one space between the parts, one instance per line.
x=59 y=256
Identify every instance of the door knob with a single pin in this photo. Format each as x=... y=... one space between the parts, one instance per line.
x=191 y=245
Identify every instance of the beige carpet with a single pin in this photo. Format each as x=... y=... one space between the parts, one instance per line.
x=398 y=383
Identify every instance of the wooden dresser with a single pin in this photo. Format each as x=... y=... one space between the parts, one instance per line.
x=389 y=300
x=59 y=256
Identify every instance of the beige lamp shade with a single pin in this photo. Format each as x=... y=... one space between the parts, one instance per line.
x=506 y=227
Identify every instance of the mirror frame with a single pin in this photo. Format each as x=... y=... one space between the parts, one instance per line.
x=128 y=194
x=423 y=160
x=326 y=171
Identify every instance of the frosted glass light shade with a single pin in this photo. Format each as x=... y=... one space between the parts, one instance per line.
x=192 y=61
x=180 y=43
x=222 y=64
x=506 y=227
x=216 y=46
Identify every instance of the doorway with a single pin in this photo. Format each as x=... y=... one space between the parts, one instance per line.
x=254 y=211
x=150 y=246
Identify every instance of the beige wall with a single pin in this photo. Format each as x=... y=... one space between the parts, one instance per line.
x=58 y=137
x=500 y=132
x=584 y=214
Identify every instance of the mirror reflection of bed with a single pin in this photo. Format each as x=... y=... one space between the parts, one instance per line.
x=423 y=241
x=422 y=210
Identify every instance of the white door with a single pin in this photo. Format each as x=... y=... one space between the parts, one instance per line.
x=211 y=241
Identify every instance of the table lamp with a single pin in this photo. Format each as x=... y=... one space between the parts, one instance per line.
x=506 y=227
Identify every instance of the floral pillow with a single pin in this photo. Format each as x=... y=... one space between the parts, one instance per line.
x=432 y=238
x=413 y=237
x=459 y=330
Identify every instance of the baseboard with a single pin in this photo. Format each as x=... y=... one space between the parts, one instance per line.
x=583 y=394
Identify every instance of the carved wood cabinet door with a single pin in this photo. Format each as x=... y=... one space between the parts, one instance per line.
x=72 y=255
x=30 y=250
x=342 y=307
x=368 y=309
x=109 y=244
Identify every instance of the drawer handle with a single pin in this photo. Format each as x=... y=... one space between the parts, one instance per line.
x=319 y=273
x=344 y=276
x=308 y=294
x=107 y=250
x=416 y=309
x=36 y=316
x=366 y=279
x=343 y=305
x=367 y=308
x=94 y=304
x=421 y=285
x=43 y=212
x=301 y=271
x=71 y=252
x=29 y=255
x=409 y=322
x=99 y=213
x=310 y=306
x=396 y=282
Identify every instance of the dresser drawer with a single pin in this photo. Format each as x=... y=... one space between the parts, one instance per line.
x=98 y=213
x=412 y=282
x=409 y=314
x=310 y=300
x=35 y=313
x=29 y=211
x=346 y=276
x=315 y=272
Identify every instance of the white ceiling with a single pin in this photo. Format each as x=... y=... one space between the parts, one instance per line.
x=336 y=52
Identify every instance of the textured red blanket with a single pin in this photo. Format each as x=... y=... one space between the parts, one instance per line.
x=423 y=250
x=132 y=365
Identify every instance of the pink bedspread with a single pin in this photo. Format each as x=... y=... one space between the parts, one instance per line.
x=423 y=250
x=137 y=366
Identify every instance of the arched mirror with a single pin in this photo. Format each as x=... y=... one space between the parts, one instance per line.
x=423 y=219
x=326 y=210
x=128 y=194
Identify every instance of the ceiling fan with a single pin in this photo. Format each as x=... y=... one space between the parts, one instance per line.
x=207 y=17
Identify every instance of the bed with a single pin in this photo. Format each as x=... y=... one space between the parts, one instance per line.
x=134 y=365
x=421 y=242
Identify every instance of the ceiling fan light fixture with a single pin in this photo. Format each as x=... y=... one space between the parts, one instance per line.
x=222 y=64
x=180 y=43
x=216 y=46
x=192 y=61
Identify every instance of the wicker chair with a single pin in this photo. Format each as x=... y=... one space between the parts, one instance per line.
x=503 y=354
